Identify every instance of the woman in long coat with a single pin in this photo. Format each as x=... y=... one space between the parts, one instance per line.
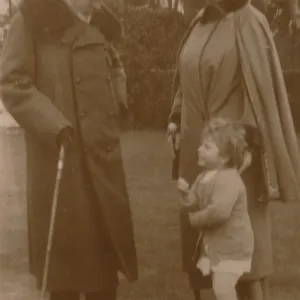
x=58 y=72
x=228 y=67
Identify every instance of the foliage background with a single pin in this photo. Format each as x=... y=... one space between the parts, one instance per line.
x=149 y=53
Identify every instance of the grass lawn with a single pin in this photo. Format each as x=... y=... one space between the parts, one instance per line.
x=155 y=211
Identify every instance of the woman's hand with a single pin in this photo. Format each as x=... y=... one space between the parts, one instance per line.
x=172 y=128
x=173 y=138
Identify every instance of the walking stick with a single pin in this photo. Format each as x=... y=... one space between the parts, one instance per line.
x=60 y=165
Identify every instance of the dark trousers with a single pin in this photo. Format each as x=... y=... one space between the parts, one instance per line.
x=109 y=294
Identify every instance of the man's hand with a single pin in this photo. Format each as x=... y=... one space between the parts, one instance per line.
x=65 y=137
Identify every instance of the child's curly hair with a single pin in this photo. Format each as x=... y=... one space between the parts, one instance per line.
x=230 y=138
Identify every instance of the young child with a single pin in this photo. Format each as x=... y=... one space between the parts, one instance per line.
x=217 y=206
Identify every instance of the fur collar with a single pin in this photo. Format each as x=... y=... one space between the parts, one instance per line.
x=53 y=17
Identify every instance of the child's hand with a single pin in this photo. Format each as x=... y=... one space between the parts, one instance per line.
x=182 y=186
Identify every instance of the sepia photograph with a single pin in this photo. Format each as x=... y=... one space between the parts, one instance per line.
x=150 y=150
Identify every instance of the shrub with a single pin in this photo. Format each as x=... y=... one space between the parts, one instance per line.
x=149 y=53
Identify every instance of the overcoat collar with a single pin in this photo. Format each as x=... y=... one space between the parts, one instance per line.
x=212 y=13
x=53 y=18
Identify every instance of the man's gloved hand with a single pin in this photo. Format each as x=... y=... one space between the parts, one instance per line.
x=65 y=137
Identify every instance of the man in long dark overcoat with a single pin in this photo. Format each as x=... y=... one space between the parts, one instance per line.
x=60 y=79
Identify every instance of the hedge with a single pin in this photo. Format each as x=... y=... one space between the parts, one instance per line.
x=149 y=53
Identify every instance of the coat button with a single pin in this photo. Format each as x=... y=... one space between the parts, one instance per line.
x=109 y=148
x=81 y=114
x=77 y=80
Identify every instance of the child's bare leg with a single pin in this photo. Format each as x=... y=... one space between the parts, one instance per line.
x=224 y=285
